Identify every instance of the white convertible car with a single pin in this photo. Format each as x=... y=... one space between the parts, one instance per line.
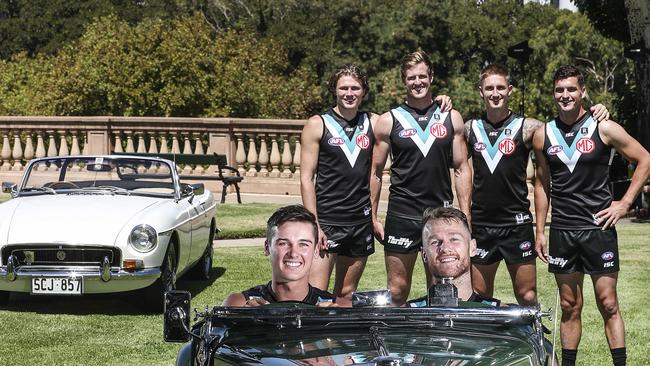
x=96 y=224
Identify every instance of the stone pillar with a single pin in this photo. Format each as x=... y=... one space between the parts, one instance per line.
x=240 y=155
x=6 y=151
x=252 y=156
x=63 y=145
x=198 y=150
x=17 y=153
x=130 y=148
x=275 y=157
x=264 y=157
x=117 y=147
x=29 y=146
x=296 y=158
x=286 y=158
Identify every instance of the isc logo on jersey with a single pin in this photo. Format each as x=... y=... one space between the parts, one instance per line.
x=479 y=146
x=554 y=150
x=363 y=141
x=585 y=145
x=407 y=133
x=507 y=146
x=438 y=130
x=335 y=141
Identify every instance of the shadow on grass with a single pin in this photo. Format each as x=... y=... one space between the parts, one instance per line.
x=121 y=303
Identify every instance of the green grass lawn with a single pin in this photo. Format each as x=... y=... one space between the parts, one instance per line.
x=110 y=330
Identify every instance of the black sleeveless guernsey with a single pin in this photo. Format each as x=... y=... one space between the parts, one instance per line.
x=499 y=157
x=421 y=149
x=579 y=167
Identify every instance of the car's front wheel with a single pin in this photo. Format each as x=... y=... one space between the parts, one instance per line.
x=203 y=266
x=153 y=295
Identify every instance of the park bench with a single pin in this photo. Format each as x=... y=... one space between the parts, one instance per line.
x=207 y=159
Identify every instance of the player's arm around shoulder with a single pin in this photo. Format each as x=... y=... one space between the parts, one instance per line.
x=462 y=169
x=541 y=189
x=612 y=134
x=382 y=127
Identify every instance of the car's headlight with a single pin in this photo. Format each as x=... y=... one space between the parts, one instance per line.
x=143 y=238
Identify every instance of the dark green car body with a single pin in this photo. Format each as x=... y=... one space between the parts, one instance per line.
x=292 y=334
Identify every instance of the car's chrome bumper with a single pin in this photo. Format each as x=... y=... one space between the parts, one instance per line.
x=94 y=279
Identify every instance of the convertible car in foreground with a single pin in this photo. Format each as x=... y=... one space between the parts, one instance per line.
x=104 y=224
x=298 y=334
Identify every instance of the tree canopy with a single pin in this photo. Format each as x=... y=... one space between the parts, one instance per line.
x=272 y=58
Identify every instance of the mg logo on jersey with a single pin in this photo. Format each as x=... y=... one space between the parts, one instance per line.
x=585 y=145
x=438 y=130
x=363 y=141
x=607 y=256
x=554 y=150
x=335 y=141
x=507 y=146
x=479 y=146
x=407 y=133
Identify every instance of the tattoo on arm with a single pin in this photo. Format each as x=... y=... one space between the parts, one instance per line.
x=530 y=125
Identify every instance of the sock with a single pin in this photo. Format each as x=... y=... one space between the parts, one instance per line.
x=619 y=356
x=569 y=357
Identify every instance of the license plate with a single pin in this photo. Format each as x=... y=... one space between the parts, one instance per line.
x=57 y=286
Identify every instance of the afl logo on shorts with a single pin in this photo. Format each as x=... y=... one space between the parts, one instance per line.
x=525 y=245
x=407 y=133
x=438 y=130
x=507 y=146
x=607 y=256
x=363 y=141
x=554 y=150
x=335 y=141
x=585 y=145
x=479 y=146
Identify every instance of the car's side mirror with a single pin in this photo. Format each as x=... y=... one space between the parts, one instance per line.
x=9 y=187
x=177 y=316
x=371 y=298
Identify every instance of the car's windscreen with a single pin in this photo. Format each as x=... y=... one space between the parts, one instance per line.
x=99 y=175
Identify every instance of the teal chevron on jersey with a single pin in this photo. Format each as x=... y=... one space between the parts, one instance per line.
x=423 y=138
x=569 y=154
x=492 y=154
x=350 y=147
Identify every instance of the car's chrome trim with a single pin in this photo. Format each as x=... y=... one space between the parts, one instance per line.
x=116 y=274
x=105 y=270
x=12 y=265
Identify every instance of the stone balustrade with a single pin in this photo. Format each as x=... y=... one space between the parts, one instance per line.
x=261 y=149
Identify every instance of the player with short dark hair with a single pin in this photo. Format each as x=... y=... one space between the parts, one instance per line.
x=573 y=153
x=291 y=235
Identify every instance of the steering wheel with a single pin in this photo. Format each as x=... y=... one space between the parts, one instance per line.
x=61 y=185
